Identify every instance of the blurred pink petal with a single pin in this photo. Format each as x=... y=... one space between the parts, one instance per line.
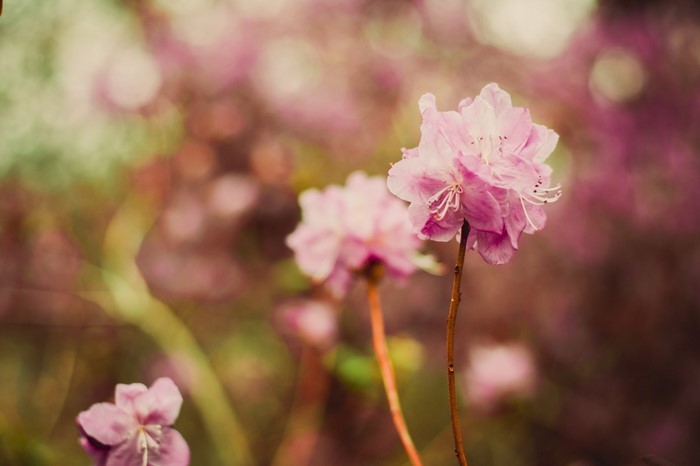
x=160 y=404
x=313 y=321
x=498 y=371
x=107 y=423
x=125 y=394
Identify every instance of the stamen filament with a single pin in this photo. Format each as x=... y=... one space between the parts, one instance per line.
x=538 y=196
x=527 y=216
x=448 y=198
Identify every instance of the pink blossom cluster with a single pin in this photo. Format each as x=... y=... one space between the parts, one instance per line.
x=344 y=229
x=137 y=428
x=483 y=163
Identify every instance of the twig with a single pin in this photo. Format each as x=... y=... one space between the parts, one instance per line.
x=451 y=321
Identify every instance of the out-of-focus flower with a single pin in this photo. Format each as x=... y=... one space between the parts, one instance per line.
x=313 y=321
x=136 y=430
x=499 y=371
x=483 y=163
x=344 y=229
x=232 y=195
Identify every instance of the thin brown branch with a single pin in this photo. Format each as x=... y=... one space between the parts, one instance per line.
x=451 y=321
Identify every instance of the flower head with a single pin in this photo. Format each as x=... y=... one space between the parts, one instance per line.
x=136 y=429
x=313 y=321
x=483 y=163
x=345 y=229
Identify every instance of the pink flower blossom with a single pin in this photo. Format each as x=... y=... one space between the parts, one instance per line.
x=497 y=372
x=344 y=229
x=313 y=321
x=483 y=163
x=136 y=430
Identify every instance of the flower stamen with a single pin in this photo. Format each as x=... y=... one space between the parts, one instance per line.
x=144 y=441
x=538 y=196
x=487 y=147
x=446 y=199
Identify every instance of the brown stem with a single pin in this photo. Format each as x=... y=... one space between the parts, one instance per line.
x=301 y=433
x=385 y=366
x=451 y=321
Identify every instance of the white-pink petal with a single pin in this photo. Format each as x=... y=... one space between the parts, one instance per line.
x=496 y=97
x=125 y=394
x=161 y=404
x=107 y=423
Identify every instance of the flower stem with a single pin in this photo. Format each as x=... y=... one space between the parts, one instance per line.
x=306 y=415
x=451 y=321
x=387 y=370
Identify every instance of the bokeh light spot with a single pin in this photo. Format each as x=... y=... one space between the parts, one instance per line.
x=617 y=75
x=535 y=28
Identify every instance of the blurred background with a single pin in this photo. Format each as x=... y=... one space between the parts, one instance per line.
x=151 y=155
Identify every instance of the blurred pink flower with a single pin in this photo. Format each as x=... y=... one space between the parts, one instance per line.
x=344 y=229
x=313 y=321
x=483 y=163
x=499 y=371
x=137 y=429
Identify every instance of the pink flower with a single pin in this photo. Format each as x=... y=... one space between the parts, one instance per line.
x=497 y=372
x=136 y=430
x=313 y=321
x=344 y=229
x=483 y=163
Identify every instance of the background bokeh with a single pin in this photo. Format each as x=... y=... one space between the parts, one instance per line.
x=151 y=153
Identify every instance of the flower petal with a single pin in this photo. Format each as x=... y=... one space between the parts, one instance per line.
x=426 y=227
x=540 y=144
x=549 y=139
x=172 y=451
x=315 y=250
x=479 y=118
x=496 y=97
x=161 y=404
x=126 y=454
x=98 y=453
x=483 y=213
x=125 y=394
x=339 y=280
x=515 y=124
x=426 y=101
x=443 y=136
x=107 y=423
x=409 y=153
x=318 y=207
x=414 y=180
x=466 y=102
x=494 y=248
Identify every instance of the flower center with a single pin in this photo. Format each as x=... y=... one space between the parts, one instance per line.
x=538 y=196
x=444 y=200
x=146 y=438
x=487 y=146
